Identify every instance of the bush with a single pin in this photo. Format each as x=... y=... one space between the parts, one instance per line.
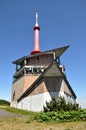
x=59 y=105
x=58 y=110
x=52 y=105
x=62 y=116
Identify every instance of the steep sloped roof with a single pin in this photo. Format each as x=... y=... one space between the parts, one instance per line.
x=53 y=70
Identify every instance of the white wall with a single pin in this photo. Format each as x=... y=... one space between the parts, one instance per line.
x=36 y=102
x=32 y=103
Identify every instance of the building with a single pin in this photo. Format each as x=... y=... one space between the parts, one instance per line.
x=40 y=76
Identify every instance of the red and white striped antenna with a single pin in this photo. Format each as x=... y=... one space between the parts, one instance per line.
x=36 y=36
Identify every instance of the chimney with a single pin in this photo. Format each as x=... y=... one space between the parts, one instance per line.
x=36 y=36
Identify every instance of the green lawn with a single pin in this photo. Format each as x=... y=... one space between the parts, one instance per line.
x=26 y=121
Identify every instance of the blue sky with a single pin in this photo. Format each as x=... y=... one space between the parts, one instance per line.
x=62 y=22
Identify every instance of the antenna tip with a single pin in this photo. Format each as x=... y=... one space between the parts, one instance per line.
x=36 y=10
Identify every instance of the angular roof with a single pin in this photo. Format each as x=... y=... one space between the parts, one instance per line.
x=58 y=52
x=52 y=70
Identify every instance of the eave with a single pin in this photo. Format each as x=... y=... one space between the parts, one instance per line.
x=58 y=52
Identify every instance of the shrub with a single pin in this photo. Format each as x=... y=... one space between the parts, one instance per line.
x=58 y=110
x=62 y=116
x=59 y=105
x=52 y=105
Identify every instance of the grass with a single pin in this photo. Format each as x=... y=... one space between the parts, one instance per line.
x=19 y=123
x=26 y=122
x=18 y=111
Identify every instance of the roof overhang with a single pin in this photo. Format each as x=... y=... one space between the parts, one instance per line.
x=58 y=52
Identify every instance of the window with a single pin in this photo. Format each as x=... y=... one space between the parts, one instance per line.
x=13 y=95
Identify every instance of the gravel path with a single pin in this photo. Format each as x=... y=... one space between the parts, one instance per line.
x=4 y=113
